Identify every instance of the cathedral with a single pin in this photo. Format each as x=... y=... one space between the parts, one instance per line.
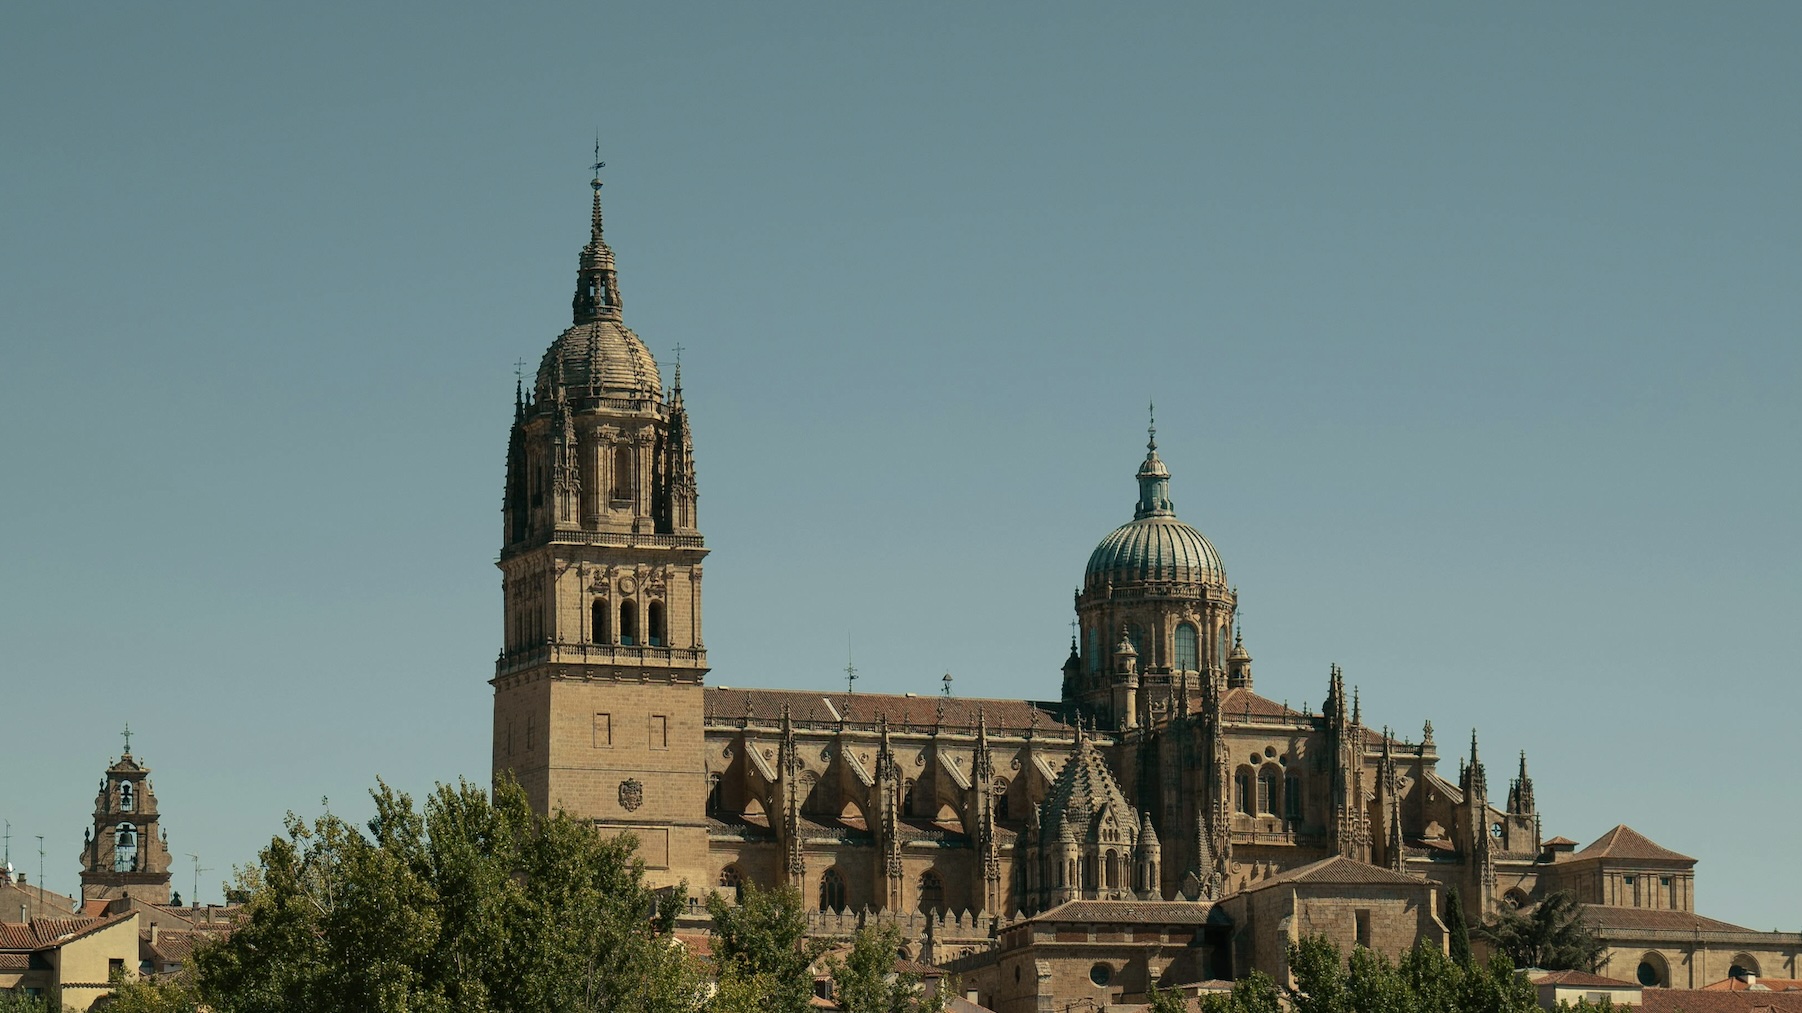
x=1156 y=821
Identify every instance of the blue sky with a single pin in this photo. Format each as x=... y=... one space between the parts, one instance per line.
x=1473 y=333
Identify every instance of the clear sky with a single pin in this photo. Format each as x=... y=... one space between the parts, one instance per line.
x=1472 y=331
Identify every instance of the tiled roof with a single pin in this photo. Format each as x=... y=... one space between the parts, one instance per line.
x=864 y=708
x=1338 y=869
x=1083 y=789
x=175 y=947
x=1237 y=702
x=1582 y=979
x=1624 y=842
x=1140 y=912
x=1603 y=916
x=1766 y=984
x=40 y=933
x=94 y=908
x=1559 y=842
x=15 y=961
x=1678 y=1000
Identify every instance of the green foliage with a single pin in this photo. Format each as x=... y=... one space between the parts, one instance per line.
x=1552 y=936
x=1159 y=1000
x=471 y=905
x=866 y=980
x=1459 y=928
x=1605 y=1005
x=132 y=994
x=762 y=940
x=1423 y=981
x=16 y=1001
x=1255 y=993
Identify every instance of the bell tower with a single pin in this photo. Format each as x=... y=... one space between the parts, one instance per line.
x=125 y=853
x=597 y=690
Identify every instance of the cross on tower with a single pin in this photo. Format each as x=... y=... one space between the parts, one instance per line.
x=519 y=371
x=127 y=734
x=598 y=164
x=850 y=676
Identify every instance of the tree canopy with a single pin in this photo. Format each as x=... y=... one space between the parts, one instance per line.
x=1425 y=980
x=470 y=905
x=1552 y=935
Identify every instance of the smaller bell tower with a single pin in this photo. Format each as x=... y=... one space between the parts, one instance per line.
x=125 y=853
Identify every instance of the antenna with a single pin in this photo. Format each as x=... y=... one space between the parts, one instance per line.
x=194 y=898
x=40 y=893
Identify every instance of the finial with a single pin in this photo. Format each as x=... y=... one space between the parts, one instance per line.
x=678 y=367
x=947 y=681
x=595 y=226
x=1473 y=747
x=1426 y=733
x=1357 y=714
x=1151 y=430
x=127 y=734
x=850 y=672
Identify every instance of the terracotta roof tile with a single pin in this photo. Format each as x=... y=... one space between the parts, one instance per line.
x=1603 y=916
x=1237 y=702
x=1624 y=842
x=1142 y=912
x=1679 y=1000
x=1767 y=984
x=725 y=704
x=1581 y=978
x=1338 y=869
x=1559 y=842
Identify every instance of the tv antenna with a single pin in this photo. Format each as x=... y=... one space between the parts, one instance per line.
x=40 y=894
x=194 y=898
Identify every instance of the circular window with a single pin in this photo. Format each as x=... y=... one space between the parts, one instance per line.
x=1269 y=751
x=1257 y=758
x=1648 y=974
x=1101 y=974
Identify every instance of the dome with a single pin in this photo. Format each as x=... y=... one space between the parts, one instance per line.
x=602 y=353
x=1154 y=546
x=1157 y=548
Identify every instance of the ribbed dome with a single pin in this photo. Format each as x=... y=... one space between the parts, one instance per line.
x=602 y=352
x=1158 y=548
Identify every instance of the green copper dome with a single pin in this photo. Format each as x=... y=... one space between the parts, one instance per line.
x=1154 y=546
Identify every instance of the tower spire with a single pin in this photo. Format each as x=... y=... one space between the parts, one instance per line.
x=594 y=229
x=597 y=285
x=1154 y=478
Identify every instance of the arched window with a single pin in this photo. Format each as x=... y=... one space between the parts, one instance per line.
x=125 y=848
x=1292 y=797
x=1652 y=971
x=729 y=880
x=1267 y=781
x=125 y=799
x=1242 y=791
x=1094 y=651
x=622 y=473
x=1743 y=966
x=713 y=794
x=628 y=623
x=832 y=891
x=932 y=891
x=1188 y=649
x=907 y=799
x=654 y=624
x=1113 y=870
x=599 y=613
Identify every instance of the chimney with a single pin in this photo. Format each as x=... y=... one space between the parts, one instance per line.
x=1751 y=981
x=153 y=933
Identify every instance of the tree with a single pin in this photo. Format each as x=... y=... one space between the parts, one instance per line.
x=472 y=905
x=1552 y=936
x=1425 y=980
x=132 y=994
x=1459 y=928
x=1159 y=1000
x=866 y=981
x=762 y=941
x=16 y=1001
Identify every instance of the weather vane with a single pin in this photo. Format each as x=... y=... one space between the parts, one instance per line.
x=598 y=164
x=127 y=734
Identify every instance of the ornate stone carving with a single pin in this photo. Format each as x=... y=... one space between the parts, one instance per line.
x=631 y=794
